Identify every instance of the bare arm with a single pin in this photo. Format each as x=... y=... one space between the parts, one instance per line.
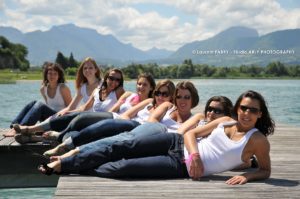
x=120 y=101
x=190 y=123
x=43 y=93
x=66 y=94
x=196 y=167
x=262 y=153
x=159 y=112
x=88 y=104
x=130 y=113
x=75 y=101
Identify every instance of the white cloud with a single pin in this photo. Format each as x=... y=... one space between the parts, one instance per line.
x=148 y=29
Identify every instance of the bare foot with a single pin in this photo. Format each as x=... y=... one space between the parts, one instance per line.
x=21 y=129
x=51 y=135
x=58 y=150
x=10 y=133
x=55 y=158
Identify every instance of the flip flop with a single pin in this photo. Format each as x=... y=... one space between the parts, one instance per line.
x=23 y=139
x=46 y=170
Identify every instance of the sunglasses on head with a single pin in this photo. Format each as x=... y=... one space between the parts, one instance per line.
x=251 y=109
x=163 y=94
x=215 y=110
x=186 y=97
x=112 y=78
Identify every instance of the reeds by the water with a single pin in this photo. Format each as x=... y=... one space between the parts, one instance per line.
x=7 y=80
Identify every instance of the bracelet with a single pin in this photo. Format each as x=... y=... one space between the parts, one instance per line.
x=190 y=159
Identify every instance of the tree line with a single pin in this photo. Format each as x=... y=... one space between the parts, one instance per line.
x=14 y=56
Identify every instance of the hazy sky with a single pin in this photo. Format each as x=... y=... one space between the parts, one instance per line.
x=151 y=23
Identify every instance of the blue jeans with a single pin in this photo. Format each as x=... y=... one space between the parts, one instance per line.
x=32 y=113
x=99 y=130
x=77 y=121
x=158 y=155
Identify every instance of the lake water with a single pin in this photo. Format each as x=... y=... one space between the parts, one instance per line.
x=282 y=96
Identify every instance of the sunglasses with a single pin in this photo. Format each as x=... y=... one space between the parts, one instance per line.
x=215 y=110
x=251 y=109
x=112 y=78
x=186 y=97
x=163 y=94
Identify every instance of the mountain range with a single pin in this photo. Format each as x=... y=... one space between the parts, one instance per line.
x=233 y=46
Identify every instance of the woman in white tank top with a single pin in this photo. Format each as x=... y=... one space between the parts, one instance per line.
x=87 y=79
x=186 y=97
x=135 y=116
x=102 y=99
x=56 y=94
x=232 y=143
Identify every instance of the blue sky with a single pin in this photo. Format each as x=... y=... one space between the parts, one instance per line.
x=146 y=24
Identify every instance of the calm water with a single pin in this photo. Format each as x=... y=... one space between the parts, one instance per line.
x=282 y=97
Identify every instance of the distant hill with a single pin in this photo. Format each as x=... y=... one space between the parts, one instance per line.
x=82 y=42
x=234 y=46
x=241 y=45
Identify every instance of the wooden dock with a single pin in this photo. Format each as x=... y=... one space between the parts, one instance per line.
x=18 y=164
x=284 y=181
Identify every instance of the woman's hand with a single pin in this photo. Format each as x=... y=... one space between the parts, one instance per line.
x=237 y=180
x=196 y=167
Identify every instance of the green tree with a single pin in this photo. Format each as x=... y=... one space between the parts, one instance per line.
x=62 y=60
x=72 y=61
x=13 y=55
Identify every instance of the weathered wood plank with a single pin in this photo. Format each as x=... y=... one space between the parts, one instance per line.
x=284 y=181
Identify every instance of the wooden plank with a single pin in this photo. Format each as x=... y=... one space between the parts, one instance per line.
x=18 y=166
x=284 y=181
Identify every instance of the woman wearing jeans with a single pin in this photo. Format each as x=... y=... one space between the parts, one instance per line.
x=56 y=94
x=229 y=143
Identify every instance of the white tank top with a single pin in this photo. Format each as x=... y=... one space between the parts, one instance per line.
x=57 y=103
x=219 y=153
x=105 y=105
x=83 y=92
x=171 y=124
x=131 y=99
x=143 y=115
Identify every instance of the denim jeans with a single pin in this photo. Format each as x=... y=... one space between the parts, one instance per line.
x=77 y=121
x=99 y=130
x=158 y=156
x=32 y=113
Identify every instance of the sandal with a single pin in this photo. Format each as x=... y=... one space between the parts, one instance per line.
x=21 y=131
x=23 y=139
x=45 y=169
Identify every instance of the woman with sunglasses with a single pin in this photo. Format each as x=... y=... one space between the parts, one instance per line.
x=56 y=94
x=144 y=86
x=133 y=117
x=102 y=99
x=170 y=116
x=229 y=142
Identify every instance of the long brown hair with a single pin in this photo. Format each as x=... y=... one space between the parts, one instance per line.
x=56 y=67
x=265 y=124
x=80 y=78
x=171 y=89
